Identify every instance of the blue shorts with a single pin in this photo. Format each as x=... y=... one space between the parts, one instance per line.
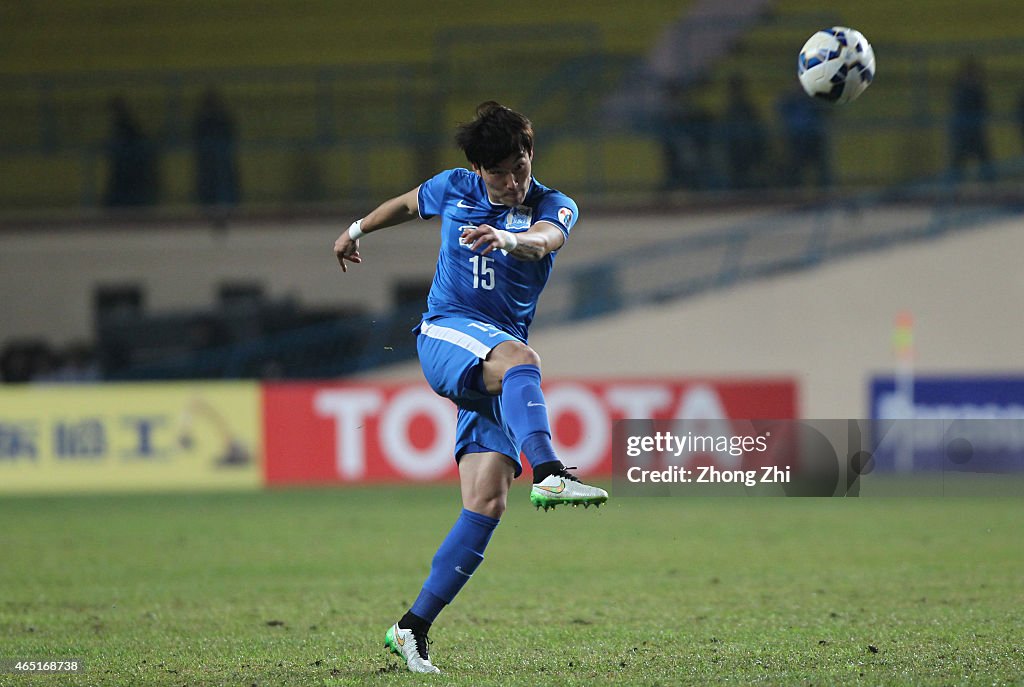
x=451 y=350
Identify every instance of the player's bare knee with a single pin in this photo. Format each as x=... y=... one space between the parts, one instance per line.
x=514 y=353
x=496 y=507
x=528 y=356
x=491 y=506
x=503 y=358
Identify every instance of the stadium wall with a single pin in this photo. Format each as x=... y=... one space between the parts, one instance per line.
x=830 y=328
x=47 y=277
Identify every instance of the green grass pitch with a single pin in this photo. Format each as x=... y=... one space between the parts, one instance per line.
x=297 y=587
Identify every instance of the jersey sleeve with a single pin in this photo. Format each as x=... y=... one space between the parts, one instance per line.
x=432 y=194
x=558 y=209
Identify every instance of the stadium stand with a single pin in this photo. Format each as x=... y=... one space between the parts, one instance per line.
x=342 y=107
x=326 y=108
x=341 y=104
x=898 y=131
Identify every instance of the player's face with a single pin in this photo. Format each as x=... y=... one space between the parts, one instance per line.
x=508 y=181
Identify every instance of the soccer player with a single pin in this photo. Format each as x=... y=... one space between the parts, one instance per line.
x=500 y=231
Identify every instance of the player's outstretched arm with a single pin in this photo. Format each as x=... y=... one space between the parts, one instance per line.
x=529 y=246
x=389 y=213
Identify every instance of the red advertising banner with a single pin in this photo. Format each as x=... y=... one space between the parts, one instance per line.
x=341 y=432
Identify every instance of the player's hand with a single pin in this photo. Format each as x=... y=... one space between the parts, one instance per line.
x=347 y=248
x=484 y=239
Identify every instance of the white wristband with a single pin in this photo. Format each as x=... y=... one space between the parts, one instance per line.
x=508 y=240
x=355 y=230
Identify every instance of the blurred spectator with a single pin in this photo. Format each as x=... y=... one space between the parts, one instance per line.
x=686 y=141
x=215 y=139
x=745 y=137
x=132 y=158
x=967 y=132
x=805 y=133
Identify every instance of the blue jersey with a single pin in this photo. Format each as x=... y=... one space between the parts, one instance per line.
x=495 y=288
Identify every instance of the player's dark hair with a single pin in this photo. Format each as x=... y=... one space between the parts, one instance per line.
x=496 y=134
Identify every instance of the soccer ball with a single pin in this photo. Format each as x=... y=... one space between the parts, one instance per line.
x=836 y=64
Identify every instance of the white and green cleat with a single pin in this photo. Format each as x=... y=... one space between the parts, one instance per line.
x=411 y=647
x=564 y=488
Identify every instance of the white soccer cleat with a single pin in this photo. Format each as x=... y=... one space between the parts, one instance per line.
x=565 y=488
x=413 y=648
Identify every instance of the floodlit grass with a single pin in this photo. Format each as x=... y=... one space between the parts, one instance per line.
x=298 y=587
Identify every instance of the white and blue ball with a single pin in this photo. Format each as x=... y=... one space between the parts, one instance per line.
x=836 y=65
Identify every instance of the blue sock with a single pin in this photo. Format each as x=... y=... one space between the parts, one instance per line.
x=459 y=556
x=522 y=404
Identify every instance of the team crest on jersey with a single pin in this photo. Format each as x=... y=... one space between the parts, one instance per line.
x=565 y=217
x=519 y=218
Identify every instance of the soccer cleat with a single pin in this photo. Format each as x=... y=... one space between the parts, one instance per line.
x=563 y=487
x=412 y=647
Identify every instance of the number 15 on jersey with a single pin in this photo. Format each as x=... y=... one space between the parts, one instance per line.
x=483 y=272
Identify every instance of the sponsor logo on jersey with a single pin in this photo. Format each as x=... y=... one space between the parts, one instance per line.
x=519 y=218
x=565 y=217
